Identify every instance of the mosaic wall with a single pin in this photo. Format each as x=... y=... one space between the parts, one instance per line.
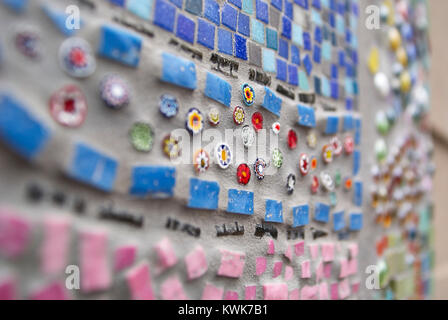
x=206 y=149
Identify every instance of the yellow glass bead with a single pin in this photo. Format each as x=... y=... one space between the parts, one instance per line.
x=374 y=60
x=394 y=39
x=405 y=82
x=402 y=56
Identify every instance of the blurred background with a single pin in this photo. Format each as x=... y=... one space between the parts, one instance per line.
x=439 y=119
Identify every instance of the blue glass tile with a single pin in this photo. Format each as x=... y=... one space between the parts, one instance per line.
x=271 y=39
x=229 y=17
x=177 y=3
x=338 y=221
x=321 y=212
x=289 y=10
x=318 y=35
x=243 y=24
x=194 y=6
x=307 y=116
x=356 y=221
x=203 y=194
x=317 y=54
x=334 y=88
x=332 y=125
x=178 y=71
x=281 y=70
x=356 y=162
x=308 y=64
x=283 y=48
x=358 y=128
x=120 y=45
x=316 y=4
x=300 y=215
x=248 y=6
x=240 y=47
x=293 y=77
x=348 y=104
x=302 y=3
x=156 y=181
x=348 y=123
x=236 y=3
x=277 y=4
x=274 y=211
x=295 y=55
x=19 y=129
x=206 y=34
x=286 y=27
x=334 y=71
x=92 y=167
x=211 y=11
x=262 y=11
x=317 y=86
x=185 y=28
x=268 y=60
x=257 y=31
x=218 y=89
x=357 y=193
x=164 y=15
x=142 y=8
x=225 y=41
x=307 y=41
x=240 y=201
x=271 y=102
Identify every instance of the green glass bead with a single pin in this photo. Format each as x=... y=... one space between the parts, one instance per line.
x=142 y=137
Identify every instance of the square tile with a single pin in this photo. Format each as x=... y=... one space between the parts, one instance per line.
x=157 y=181
x=240 y=201
x=295 y=55
x=286 y=27
x=321 y=212
x=289 y=10
x=356 y=221
x=271 y=39
x=317 y=54
x=262 y=11
x=281 y=70
x=277 y=4
x=338 y=221
x=283 y=48
x=164 y=15
x=332 y=125
x=293 y=77
x=194 y=7
x=141 y=8
x=297 y=34
x=268 y=60
x=185 y=28
x=225 y=41
x=254 y=54
x=243 y=24
x=318 y=35
x=271 y=102
x=180 y=72
x=307 y=41
x=303 y=81
x=203 y=194
x=300 y=216
x=308 y=64
x=211 y=11
x=237 y=3
x=274 y=17
x=229 y=17
x=248 y=6
x=177 y=3
x=240 y=47
x=206 y=34
x=257 y=31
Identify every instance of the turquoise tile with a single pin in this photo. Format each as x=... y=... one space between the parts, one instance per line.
x=303 y=81
x=248 y=6
x=141 y=8
x=257 y=31
x=297 y=34
x=268 y=60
